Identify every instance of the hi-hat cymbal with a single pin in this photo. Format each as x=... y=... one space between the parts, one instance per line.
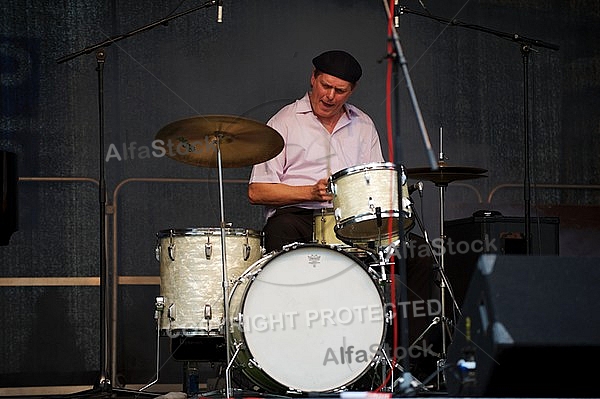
x=445 y=174
x=242 y=141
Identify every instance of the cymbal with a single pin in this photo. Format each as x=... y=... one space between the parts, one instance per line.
x=445 y=174
x=243 y=142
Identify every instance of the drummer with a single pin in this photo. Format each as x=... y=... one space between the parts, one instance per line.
x=322 y=135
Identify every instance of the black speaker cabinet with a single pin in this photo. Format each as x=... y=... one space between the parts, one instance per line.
x=488 y=232
x=8 y=196
x=207 y=349
x=530 y=328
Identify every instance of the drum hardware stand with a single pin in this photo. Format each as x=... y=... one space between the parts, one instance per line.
x=444 y=283
x=408 y=384
x=398 y=59
x=238 y=347
x=435 y=320
x=159 y=307
x=225 y=282
x=405 y=381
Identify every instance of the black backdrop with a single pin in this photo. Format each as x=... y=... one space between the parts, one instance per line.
x=256 y=60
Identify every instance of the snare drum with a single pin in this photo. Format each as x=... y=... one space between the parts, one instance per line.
x=324 y=234
x=191 y=276
x=309 y=318
x=324 y=228
x=365 y=202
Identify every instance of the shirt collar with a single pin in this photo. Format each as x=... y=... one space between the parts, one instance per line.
x=304 y=107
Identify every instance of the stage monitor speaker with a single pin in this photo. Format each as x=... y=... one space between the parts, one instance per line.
x=490 y=232
x=530 y=328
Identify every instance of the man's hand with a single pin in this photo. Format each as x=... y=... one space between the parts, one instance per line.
x=320 y=191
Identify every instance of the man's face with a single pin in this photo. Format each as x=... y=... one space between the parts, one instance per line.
x=328 y=94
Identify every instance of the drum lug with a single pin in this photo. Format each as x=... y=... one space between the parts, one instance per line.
x=157 y=251
x=333 y=188
x=367 y=177
x=254 y=364
x=208 y=250
x=171 y=251
x=239 y=319
x=246 y=250
x=159 y=307
x=287 y=247
x=172 y=312
x=338 y=214
x=389 y=317
x=171 y=248
x=207 y=312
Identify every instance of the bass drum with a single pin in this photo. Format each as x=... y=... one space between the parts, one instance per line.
x=307 y=319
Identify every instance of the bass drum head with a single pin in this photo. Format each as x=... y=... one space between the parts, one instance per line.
x=313 y=320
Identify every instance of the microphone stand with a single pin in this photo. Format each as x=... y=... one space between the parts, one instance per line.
x=108 y=340
x=406 y=381
x=114 y=39
x=526 y=45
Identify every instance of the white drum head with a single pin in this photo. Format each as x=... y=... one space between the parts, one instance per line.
x=313 y=319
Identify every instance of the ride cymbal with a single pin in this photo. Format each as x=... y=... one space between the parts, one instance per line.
x=242 y=141
x=445 y=174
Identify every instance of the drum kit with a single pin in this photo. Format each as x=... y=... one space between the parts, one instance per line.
x=310 y=318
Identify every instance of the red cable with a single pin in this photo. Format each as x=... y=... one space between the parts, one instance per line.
x=389 y=126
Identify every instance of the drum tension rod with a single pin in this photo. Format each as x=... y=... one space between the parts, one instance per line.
x=159 y=307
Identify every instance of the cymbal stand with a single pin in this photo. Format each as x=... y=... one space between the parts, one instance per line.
x=444 y=283
x=436 y=320
x=217 y=142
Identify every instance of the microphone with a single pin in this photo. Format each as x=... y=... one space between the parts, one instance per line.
x=219 y=11
x=414 y=187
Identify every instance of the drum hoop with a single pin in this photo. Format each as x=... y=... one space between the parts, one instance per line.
x=333 y=247
x=363 y=217
x=190 y=332
x=208 y=231
x=363 y=167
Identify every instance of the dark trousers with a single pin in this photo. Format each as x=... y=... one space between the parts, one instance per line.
x=286 y=226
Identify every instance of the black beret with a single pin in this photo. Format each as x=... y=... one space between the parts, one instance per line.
x=339 y=64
